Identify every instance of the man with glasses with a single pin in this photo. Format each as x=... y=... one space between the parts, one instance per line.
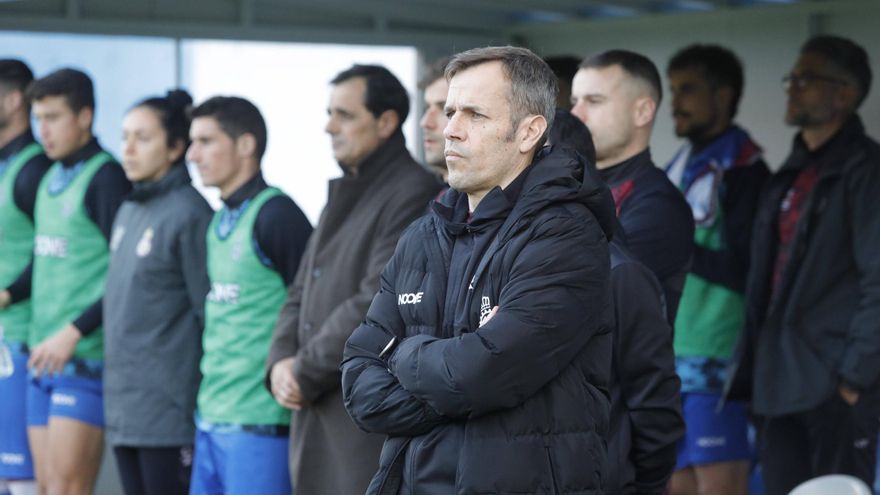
x=809 y=353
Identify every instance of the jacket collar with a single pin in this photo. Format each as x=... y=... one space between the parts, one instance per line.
x=91 y=149
x=177 y=176
x=833 y=155
x=555 y=175
x=247 y=191
x=372 y=165
x=627 y=168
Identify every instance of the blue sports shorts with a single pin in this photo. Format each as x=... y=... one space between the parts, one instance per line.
x=68 y=395
x=15 y=453
x=230 y=460
x=712 y=436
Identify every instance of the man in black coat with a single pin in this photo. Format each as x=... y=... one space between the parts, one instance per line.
x=485 y=357
x=616 y=94
x=810 y=355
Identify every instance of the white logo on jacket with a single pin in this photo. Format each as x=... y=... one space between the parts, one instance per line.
x=485 y=309
x=409 y=298
x=145 y=245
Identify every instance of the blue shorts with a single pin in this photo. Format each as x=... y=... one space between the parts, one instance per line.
x=712 y=436
x=65 y=395
x=231 y=461
x=15 y=453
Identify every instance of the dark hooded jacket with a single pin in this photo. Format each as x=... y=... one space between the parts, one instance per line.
x=646 y=422
x=821 y=328
x=518 y=404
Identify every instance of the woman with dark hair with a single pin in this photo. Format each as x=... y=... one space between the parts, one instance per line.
x=154 y=302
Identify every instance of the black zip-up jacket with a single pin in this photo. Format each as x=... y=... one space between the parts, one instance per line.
x=519 y=404
x=657 y=220
x=646 y=421
x=822 y=327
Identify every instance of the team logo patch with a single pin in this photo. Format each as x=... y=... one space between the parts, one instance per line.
x=145 y=245
x=485 y=309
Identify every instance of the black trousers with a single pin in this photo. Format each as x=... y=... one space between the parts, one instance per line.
x=154 y=470
x=833 y=438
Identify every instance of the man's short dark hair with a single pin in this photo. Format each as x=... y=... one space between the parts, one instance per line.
x=533 y=86
x=433 y=71
x=15 y=74
x=384 y=91
x=236 y=116
x=569 y=132
x=634 y=64
x=720 y=66
x=847 y=56
x=75 y=86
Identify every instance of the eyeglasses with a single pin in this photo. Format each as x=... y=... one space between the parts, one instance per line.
x=801 y=81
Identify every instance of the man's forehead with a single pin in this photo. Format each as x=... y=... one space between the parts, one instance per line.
x=437 y=89
x=51 y=103
x=205 y=124
x=479 y=81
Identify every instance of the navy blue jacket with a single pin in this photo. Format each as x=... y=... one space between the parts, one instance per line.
x=646 y=420
x=657 y=220
x=519 y=404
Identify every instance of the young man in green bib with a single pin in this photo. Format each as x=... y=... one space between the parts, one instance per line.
x=22 y=166
x=254 y=246
x=76 y=203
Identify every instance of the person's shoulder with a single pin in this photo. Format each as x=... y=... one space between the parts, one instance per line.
x=190 y=201
x=409 y=173
x=282 y=206
x=111 y=174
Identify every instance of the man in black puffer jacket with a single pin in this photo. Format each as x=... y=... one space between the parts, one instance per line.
x=485 y=357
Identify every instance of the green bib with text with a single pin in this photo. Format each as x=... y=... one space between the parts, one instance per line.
x=240 y=314
x=16 y=246
x=70 y=258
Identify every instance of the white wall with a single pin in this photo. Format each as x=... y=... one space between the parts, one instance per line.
x=766 y=39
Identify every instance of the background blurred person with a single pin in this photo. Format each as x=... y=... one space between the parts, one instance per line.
x=255 y=243
x=616 y=94
x=720 y=171
x=22 y=166
x=810 y=355
x=154 y=302
x=76 y=204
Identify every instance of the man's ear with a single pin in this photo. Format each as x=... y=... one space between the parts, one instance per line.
x=388 y=123
x=246 y=146
x=846 y=98
x=644 y=110
x=12 y=101
x=723 y=98
x=84 y=118
x=530 y=131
